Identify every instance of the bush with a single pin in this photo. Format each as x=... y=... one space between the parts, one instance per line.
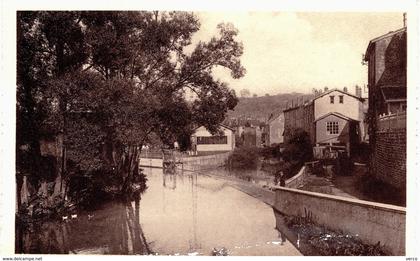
x=361 y=153
x=298 y=148
x=289 y=169
x=91 y=189
x=244 y=158
x=296 y=152
x=272 y=151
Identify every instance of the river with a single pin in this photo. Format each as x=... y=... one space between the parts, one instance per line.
x=185 y=213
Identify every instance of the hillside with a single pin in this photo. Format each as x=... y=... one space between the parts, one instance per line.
x=261 y=107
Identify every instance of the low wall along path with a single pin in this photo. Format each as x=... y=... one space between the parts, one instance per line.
x=372 y=222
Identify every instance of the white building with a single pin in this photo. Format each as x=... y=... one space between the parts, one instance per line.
x=203 y=141
x=275 y=129
x=341 y=102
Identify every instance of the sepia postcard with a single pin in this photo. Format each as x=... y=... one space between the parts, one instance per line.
x=286 y=130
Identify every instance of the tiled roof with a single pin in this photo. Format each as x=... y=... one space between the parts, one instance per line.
x=374 y=40
x=394 y=93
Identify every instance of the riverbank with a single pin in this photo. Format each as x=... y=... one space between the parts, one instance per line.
x=252 y=187
x=307 y=236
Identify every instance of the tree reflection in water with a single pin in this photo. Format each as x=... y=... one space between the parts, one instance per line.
x=113 y=229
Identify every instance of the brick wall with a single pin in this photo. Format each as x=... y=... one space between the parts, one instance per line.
x=389 y=157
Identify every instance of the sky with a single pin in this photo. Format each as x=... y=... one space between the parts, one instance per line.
x=295 y=52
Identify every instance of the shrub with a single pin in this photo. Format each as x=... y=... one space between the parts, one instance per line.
x=244 y=158
x=272 y=151
x=299 y=147
x=361 y=153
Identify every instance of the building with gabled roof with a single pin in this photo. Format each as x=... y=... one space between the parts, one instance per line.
x=387 y=81
x=205 y=142
x=336 y=129
x=386 y=57
x=275 y=129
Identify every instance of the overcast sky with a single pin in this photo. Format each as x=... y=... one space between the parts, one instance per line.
x=286 y=52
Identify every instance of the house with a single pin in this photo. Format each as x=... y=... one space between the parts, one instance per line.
x=336 y=129
x=386 y=57
x=333 y=117
x=204 y=142
x=252 y=136
x=299 y=117
x=275 y=129
x=387 y=82
x=342 y=103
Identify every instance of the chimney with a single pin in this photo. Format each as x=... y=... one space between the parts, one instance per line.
x=405 y=19
x=325 y=89
x=358 y=91
x=345 y=89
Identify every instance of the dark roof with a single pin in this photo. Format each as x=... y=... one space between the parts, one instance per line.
x=374 y=40
x=337 y=114
x=394 y=93
x=299 y=106
x=338 y=90
x=227 y=127
x=222 y=125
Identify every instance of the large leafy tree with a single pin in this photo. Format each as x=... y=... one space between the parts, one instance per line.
x=110 y=82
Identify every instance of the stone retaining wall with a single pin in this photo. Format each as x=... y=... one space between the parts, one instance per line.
x=372 y=222
x=205 y=162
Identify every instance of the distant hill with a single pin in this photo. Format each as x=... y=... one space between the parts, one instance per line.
x=261 y=107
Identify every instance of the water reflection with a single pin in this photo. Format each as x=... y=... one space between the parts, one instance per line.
x=112 y=229
x=195 y=214
x=181 y=213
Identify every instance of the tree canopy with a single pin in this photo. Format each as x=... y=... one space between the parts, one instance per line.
x=110 y=77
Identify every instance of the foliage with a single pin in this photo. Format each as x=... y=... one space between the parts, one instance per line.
x=109 y=82
x=361 y=153
x=298 y=148
x=328 y=242
x=244 y=158
x=272 y=151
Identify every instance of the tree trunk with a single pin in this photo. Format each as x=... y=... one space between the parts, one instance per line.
x=19 y=184
x=24 y=192
x=130 y=164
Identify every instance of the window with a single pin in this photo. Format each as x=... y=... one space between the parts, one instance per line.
x=212 y=140
x=331 y=99
x=341 y=98
x=332 y=127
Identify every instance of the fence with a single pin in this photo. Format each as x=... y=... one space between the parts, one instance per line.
x=392 y=121
x=151 y=154
x=157 y=158
x=205 y=162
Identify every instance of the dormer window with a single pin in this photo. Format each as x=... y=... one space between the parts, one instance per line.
x=341 y=97
x=332 y=99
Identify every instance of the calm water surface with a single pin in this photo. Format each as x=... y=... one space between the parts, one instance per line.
x=179 y=214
